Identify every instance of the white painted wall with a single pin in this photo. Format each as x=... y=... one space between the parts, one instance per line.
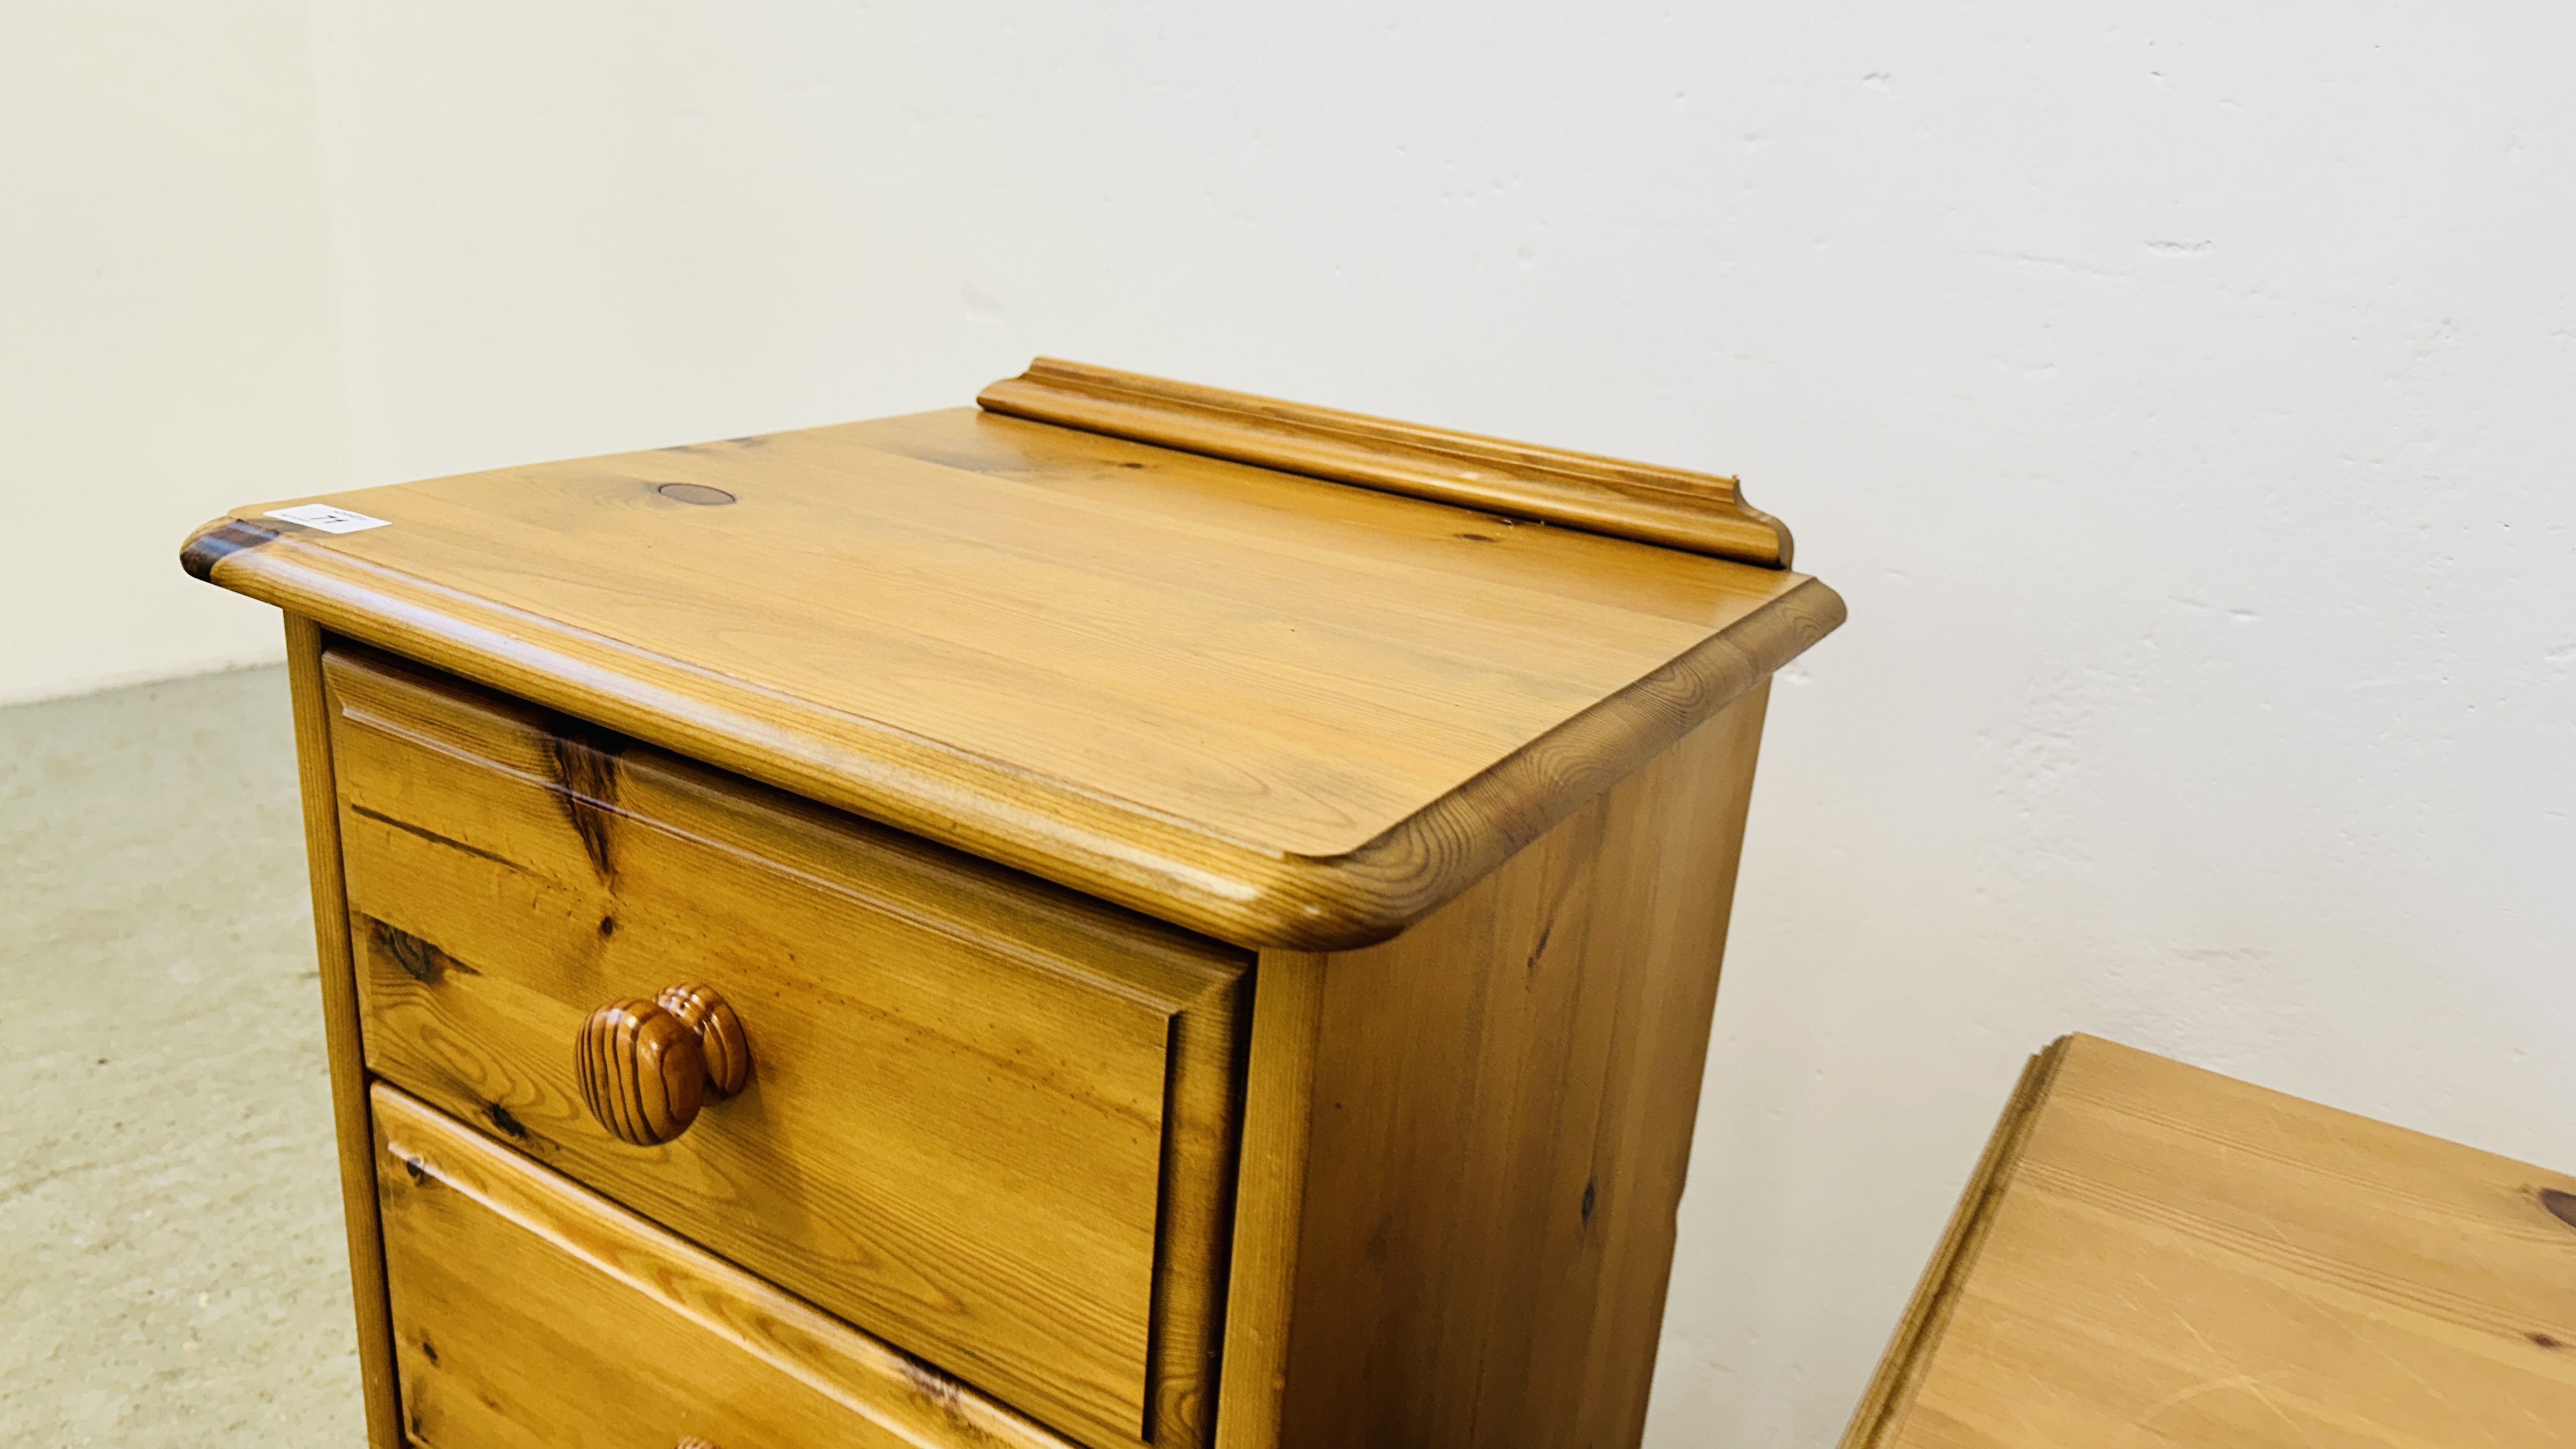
x=2179 y=393
x=166 y=324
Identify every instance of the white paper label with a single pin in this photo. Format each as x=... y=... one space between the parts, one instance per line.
x=327 y=518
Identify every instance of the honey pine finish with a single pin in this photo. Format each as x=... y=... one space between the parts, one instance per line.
x=2152 y=1254
x=1132 y=915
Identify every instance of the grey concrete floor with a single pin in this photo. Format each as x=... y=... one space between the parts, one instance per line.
x=171 y=1267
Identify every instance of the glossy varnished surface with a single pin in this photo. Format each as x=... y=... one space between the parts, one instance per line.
x=533 y=1315
x=1280 y=710
x=2154 y=1255
x=986 y=1120
x=641 y=1071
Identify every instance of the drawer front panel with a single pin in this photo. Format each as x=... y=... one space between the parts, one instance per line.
x=528 y=1312
x=987 y=1120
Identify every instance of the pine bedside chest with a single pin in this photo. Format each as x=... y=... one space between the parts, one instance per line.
x=1132 y=915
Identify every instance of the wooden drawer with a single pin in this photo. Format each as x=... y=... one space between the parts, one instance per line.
x=988 y=1120
x=531 y=1313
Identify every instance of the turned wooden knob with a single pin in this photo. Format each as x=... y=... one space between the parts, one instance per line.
x=645 y=1067
x=719 y=1031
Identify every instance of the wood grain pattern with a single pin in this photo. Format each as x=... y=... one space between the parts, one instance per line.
x=1701 y=512
x=1281 y=711
x=1902 y=1365
x=2163 y=1256
x=640 y=1071
x=992 y=1123
x=1270 y=1196
x=534 y=1315
x=1203 y=1130
x=341 y=1032
x=723 y=1045
x=1496 y=1112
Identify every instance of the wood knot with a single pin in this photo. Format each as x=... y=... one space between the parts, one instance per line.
x=697 y=493
x=586 y=775
x=420 y=960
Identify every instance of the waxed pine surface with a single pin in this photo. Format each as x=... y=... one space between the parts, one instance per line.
x=175 y=1272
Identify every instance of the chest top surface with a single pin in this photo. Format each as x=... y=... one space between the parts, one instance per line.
x=1273 y=706
x=2156 y=1254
